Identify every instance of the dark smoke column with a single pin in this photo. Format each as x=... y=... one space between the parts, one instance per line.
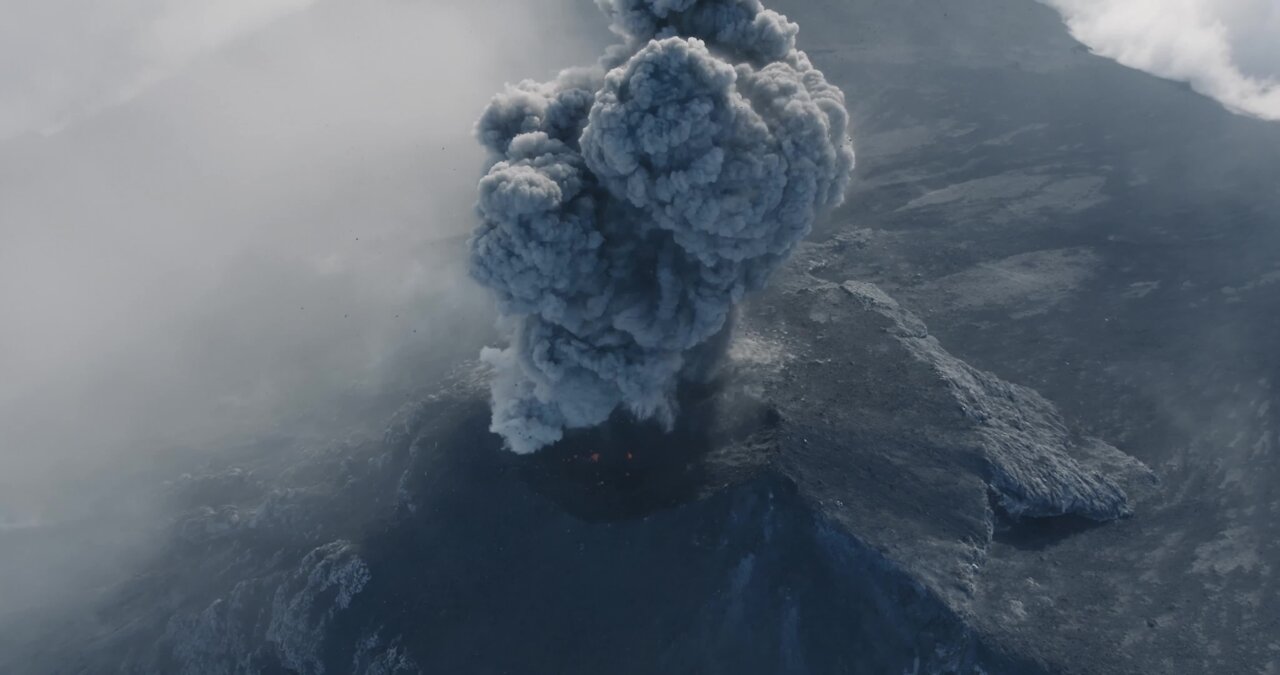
x=631 y=205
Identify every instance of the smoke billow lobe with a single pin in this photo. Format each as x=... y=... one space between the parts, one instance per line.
x=631 y=205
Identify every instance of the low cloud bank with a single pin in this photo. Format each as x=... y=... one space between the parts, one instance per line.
x=1226 y=49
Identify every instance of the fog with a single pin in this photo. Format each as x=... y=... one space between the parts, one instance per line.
x=63 y=60
x=1226 y=49
x=225 y=219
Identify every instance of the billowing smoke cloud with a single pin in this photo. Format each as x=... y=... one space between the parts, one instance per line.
x=1225 y=49
x=631 y=206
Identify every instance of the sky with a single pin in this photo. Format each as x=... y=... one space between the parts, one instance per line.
x=1225 y=49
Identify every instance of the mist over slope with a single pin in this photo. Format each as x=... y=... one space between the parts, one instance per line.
x=265 y=243
x=273 y=227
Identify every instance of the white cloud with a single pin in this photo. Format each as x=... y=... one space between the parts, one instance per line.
x=1225 y=49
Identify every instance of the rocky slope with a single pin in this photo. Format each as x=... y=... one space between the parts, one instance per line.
x=828 y=503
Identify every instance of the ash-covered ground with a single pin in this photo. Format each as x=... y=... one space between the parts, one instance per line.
x=1010 y=409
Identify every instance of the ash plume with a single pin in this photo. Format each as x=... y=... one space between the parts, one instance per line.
x=629 y=207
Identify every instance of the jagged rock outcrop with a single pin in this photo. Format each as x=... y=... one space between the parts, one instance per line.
x=907 y=448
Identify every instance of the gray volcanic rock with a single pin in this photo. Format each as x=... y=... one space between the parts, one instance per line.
x=1030 y=452
x=909 y=449
x=1111 y=240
